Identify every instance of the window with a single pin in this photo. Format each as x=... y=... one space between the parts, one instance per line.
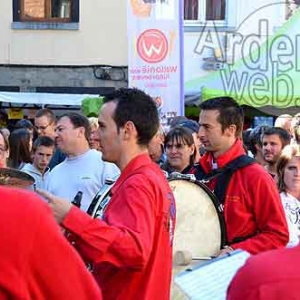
x=46 y=10
x=205 y=10
x=191 y=9
x=215 y=10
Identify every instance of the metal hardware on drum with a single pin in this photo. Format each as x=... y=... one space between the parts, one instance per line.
x=176 y=175
x=110 y=181
x=101 y=200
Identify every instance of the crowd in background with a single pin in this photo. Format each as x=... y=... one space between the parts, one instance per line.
x=64 y=156
x=31 y=148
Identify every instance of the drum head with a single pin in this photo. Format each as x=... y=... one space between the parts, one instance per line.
x=15 y=178
x=199 y=227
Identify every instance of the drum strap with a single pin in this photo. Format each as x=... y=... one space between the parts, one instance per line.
x=223 y=175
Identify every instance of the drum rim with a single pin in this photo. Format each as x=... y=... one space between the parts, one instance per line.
x=215 y=203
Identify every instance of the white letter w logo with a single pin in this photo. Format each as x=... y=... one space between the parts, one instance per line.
x=152 y=49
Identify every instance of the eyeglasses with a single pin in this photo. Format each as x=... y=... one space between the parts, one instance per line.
x=41 y=128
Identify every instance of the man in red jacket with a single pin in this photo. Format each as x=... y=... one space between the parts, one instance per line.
x=36 y=261
x=251 y=205
x=130 y=246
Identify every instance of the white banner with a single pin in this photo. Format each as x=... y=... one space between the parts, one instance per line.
x=155 y=54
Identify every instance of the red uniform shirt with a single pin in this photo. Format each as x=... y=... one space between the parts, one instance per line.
x=36 y=261
x=272 y=275
x=252 y=210
x=131 y=249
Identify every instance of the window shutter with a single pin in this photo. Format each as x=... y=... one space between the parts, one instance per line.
x=16 y=10
x=75 y=11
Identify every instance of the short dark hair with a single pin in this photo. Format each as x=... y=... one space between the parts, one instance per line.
x=230 y=113
x=24 y=123
x=46 y=112
x=283 y=135
x=79 y=120
x=191 y=125
x=138 y=107
x=177 y=120
x=45 y=141
x=255 y=137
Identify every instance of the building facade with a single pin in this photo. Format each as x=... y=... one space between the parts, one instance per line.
x=73 y=46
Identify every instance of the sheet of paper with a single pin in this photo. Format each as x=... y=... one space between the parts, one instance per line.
x=211 y=280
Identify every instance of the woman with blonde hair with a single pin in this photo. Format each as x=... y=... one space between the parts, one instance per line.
x=288 y=181
x=94 y=139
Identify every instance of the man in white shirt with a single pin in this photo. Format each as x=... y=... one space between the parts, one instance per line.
x=83 y=169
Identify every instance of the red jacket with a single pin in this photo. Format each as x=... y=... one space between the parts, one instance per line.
x=131 y=249
x=272 y=275
x=36 y=261
x=252 y=205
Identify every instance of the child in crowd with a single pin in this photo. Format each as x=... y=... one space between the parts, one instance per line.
x=42 y=152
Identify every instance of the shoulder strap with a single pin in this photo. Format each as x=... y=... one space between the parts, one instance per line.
x=224 y=177
x=239 y=162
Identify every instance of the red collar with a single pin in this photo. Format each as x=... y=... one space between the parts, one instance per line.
x=135 y=164
x=236 y=150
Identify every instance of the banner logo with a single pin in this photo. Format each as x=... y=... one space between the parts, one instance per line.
x=152 y=46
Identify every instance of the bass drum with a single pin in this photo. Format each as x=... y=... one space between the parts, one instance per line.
x=200 y=227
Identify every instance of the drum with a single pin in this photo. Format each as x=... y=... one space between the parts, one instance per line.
x=200 y=228
x=101 y=200
x=15 y=178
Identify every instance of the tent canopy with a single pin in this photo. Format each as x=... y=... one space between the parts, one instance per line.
x=43 y=98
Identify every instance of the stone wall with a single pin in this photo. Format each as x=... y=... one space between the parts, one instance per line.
x=28 y=78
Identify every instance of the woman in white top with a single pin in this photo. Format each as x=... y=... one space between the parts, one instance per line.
x=288 y=181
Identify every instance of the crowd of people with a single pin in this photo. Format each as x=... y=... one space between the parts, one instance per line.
x=128 y=247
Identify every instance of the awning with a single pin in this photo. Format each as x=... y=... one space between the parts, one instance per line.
x=43 y=98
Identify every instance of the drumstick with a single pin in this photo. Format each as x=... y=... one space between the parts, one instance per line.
x=184 y=258
x=203 y=258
